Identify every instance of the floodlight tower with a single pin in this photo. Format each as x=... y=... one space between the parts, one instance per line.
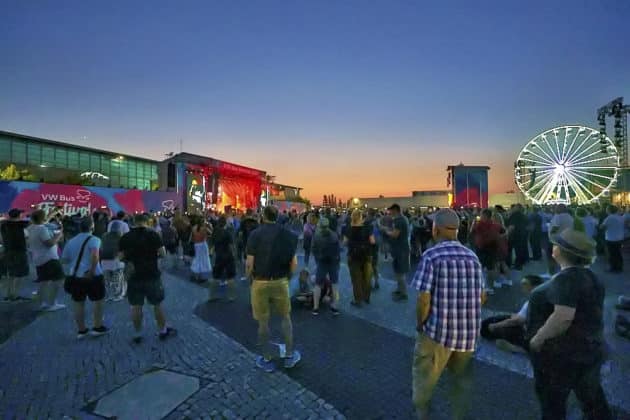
x=619 y=112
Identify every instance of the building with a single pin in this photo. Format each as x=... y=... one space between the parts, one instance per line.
x=200 y=182
x=206 y=182
x=417 y=200
x=469 y=185
x=43 y=160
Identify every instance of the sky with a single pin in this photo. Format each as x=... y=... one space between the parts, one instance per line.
x=355 y=98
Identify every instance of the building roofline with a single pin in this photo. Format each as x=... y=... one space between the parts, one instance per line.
x=214 y=160
x=444 y=191
x=448 y=168
x=286 y=186
x=67 y=144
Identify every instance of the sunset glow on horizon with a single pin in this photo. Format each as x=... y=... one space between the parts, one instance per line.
x=351 y=99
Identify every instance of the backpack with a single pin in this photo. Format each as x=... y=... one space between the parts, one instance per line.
x=169 y=236
x=109 y=246
x=330 y=250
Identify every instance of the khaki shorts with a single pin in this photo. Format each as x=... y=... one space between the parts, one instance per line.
x=270 y=296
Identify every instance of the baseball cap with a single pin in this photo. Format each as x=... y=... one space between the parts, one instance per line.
x=446 y=218
x=13 y=213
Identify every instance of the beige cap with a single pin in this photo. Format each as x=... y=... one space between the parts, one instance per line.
x=446 y=218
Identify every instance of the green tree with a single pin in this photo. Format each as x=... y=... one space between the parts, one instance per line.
x=12 y=173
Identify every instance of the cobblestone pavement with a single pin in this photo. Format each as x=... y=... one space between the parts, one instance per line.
x=400 y=317
x=355 y=366
x=46 y=373
x=13 y=317
x=364 y=370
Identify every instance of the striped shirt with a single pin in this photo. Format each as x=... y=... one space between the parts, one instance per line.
x=453 y=275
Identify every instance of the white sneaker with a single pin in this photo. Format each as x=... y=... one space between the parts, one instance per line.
x=55 y=307
x=490 y=291
x=506 y=282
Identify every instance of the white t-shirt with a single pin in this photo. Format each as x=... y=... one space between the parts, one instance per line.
x=42 y=253
x=590 y=225
x=546 y=219
x=614 y=227
x=124 y=229
x=71 y=254
x=560 y=221
x=523 y=312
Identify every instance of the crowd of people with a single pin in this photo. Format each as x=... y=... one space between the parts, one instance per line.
x=462 y=256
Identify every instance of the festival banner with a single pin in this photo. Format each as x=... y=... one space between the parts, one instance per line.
x=73 y=199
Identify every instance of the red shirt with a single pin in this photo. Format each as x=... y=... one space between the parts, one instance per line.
x=487 y=234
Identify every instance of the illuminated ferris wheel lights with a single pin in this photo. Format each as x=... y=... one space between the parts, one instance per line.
x=561 y=166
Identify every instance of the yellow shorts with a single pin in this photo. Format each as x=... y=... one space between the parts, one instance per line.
x=270 y=296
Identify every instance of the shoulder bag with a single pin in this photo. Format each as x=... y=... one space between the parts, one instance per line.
x=73 y=274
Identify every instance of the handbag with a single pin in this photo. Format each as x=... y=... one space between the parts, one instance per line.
x=73 y=275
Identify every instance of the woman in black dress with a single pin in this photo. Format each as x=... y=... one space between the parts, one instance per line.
x=360 y=241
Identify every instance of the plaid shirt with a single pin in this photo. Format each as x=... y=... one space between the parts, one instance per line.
x=453 y=275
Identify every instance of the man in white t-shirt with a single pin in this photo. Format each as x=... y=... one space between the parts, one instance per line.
x=589 y=221
x=45 y=253
x=85 y=277
x=120 y=220
x=614 y=235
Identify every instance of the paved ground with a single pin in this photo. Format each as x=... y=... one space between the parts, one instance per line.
x=355 y=366
x=364 y=369
x=45 y=373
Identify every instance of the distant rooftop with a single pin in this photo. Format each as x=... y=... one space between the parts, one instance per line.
x=75 y=146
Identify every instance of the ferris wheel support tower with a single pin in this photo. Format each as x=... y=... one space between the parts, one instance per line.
x=619 y=112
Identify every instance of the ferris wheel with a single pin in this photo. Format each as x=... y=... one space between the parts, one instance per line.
x=569 y=164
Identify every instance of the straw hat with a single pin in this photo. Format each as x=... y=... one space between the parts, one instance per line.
x=575 y=242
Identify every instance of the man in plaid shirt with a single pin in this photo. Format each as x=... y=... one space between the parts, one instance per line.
x=450 y=283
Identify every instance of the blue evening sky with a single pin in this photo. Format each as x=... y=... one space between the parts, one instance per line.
x=346 y=97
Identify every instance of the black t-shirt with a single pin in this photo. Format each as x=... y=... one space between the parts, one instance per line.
x=575 y=287
x=519 y=221
x=13 y=235
x=248 y=225
x=140 y=247
x=273 y=248
x=222 y=241
x=400 y=245
x=359 y=247
x=535 y=222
